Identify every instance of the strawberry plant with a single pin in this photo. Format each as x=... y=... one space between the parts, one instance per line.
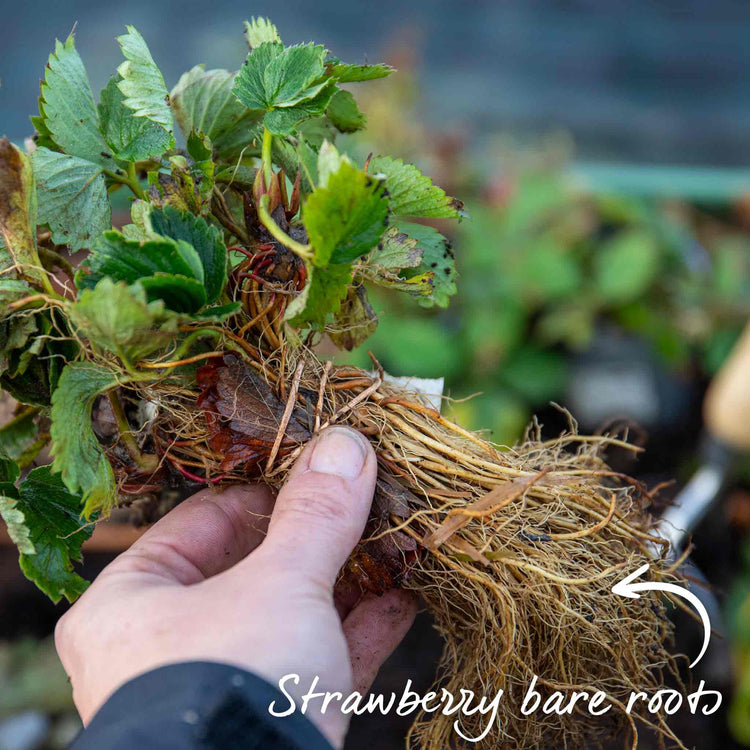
x=181 y=352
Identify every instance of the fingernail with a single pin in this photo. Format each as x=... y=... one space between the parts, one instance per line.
x=340 y=451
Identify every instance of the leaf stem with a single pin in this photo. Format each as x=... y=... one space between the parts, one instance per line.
x=132 y=182
x=304 y=251
x=145 y=462
x=267 y=158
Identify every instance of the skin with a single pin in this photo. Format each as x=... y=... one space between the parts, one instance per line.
x=214 y=580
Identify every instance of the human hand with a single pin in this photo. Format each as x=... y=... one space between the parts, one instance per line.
x=214 y=581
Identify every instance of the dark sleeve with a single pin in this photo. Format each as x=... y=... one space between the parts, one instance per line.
x=201 y=705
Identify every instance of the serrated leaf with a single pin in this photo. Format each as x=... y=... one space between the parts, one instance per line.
x=78 y=456
x=345 y=219
x=119 y=318
x=72 y=198
x=259 y=30
x=18 y=217
x=67 y=108
x=132 y=138
x=355 y=321
x=204 y=101
x=47 y=528
x=276 y=76
x=322 y=295
x=625 y=266
x=127 y=260
x=142 y=82
x=345 y=73
x=437 y=258
x=344 y=113
x=411 y=193
x=204 y=238
x=285 y=120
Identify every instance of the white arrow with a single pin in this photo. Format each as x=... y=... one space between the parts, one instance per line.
x=626 y=587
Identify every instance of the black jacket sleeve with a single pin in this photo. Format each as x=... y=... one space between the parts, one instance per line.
x=201 y=705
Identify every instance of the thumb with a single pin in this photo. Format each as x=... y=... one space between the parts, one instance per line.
x=321 y=511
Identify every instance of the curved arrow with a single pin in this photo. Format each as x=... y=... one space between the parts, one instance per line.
x=626 y=587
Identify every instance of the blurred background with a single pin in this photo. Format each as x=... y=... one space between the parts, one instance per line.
x=603 y=152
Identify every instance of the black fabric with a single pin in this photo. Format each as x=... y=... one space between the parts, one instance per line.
x=201 y=705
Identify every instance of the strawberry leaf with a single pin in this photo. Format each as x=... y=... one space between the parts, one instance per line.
x=72 y=198
x=260 y=30
x=203 y=101
x=43 y=520
x=126 y=260
x=67 y=109
x=132 y=138
x=344 y=113
x=323 y=293
x=142 y=82
x=345 y=73
x=78 y=456
x=346 y=217
x=119 y=318
x=411 y=193
x=18 y=217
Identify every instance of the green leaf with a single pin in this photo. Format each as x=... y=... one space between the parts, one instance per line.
x=275 y=76
x=625 y=266
x=345 y=73
x=132 y=138
x=345 y=219
x=218 y=313
x=9 y=471
x=67 y=108
x=126 y=260
x=72 y=198
x=119 y=318
x=44 y=523
x=285 y=120
x=19 y=436
x=411 y=193
x=437 y=259
x=142 y=82
x=78 y=456
x=18 y=217
x=344 y=113
x=15 y=332
x=355 y=321
x=259 y=30
x=200 y=151
x=204 y=101
x=180 y=293
x=307 y=164
x=205 y=238
x=322 y=295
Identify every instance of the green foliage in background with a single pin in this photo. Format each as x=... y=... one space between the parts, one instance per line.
x=540 y=270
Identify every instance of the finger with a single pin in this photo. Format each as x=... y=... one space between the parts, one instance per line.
x=373 y=629
x=321 y=511
x=204 y=535
x=347 y=593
